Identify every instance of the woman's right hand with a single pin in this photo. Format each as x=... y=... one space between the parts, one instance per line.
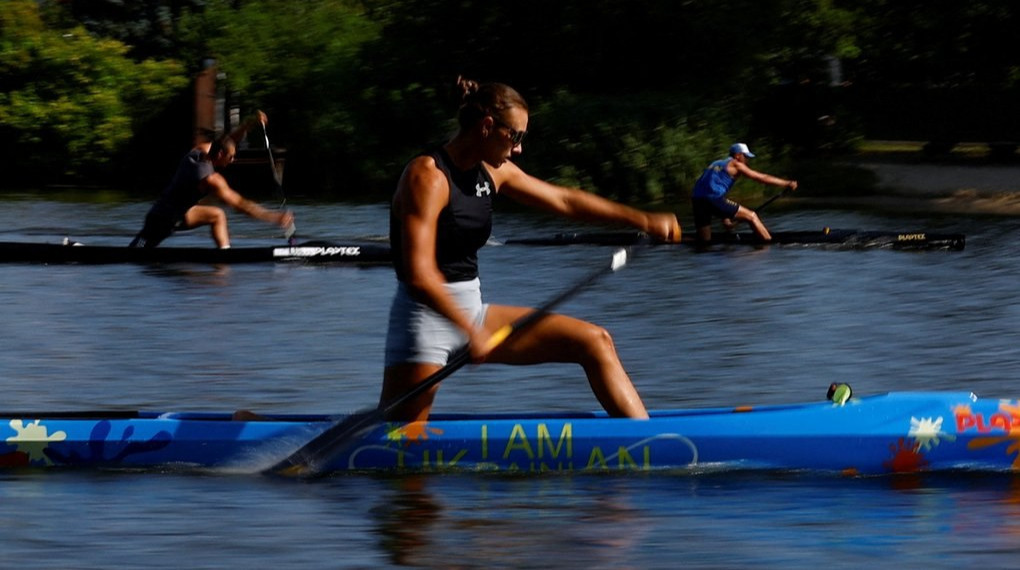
x=663 y=226
x=479 y=344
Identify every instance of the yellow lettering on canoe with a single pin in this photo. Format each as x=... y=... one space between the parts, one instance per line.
x=545 y=441
x=518 y=441
x=597 y=459
x=911 y=237
x=625 y=459
x=439 y=462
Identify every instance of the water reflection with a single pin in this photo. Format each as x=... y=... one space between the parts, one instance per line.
x=483 y=521
x=455 y=521
x=213 y=275
x=403 y=517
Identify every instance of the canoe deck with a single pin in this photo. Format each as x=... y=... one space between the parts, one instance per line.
x=880 y=434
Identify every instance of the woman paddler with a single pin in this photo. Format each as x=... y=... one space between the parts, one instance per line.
x=442 y=214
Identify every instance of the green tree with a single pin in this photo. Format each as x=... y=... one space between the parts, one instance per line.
x=70 y=103
x=298 y=61
x=939 y=71
x=149 y=28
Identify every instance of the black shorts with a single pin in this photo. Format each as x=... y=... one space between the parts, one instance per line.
x=706 y=208
x=156 y=229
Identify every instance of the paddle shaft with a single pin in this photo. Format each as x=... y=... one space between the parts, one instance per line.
x=772 y=199
x=291 y=229
x=272 y=165
x=308 y=459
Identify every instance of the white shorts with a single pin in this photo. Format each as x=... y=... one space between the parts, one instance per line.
x=418 y=334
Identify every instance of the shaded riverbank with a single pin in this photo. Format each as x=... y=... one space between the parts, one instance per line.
x=902 y=180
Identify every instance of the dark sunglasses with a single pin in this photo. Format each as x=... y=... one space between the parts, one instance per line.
x=516 y=137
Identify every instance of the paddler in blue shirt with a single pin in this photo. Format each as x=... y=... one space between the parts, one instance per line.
x=441 y=215
x=709 y=199
x=197 y=178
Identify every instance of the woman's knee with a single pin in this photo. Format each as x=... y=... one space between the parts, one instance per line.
x=597 y=341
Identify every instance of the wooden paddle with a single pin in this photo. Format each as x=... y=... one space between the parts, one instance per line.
x=309 y=459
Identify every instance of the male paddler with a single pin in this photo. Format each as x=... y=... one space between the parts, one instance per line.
x=709 y=199
x=198 y=178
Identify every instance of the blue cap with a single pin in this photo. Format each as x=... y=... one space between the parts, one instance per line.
x=742 y=149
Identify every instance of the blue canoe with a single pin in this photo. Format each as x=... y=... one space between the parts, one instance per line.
x=888 y=433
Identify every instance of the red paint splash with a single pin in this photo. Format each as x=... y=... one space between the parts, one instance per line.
x=14 y=459
x=904 y=458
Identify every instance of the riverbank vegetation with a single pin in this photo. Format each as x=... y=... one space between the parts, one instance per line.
x=630 y=98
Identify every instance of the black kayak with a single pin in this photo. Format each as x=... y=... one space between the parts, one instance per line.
x=378 y=253
x=834 y=238
x=309 y=252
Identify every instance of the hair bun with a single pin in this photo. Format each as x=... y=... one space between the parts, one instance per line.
x=467 y=87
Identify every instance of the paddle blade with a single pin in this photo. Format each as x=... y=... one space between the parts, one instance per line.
x=620 y=259
x=310 y=458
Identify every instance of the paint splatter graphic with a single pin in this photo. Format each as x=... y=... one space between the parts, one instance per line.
x=417 y=432
x=906 y=458
x=1007 y=421
x=31 y=440
x=907 y=454
x=34 y=445
x=927 y=432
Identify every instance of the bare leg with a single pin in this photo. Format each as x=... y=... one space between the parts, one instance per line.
x=558 y=338
x=401 y=378
x=555 y=338
x=213 y=217
x=756 y=224
x=705 y=233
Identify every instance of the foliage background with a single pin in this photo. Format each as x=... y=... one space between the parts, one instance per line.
x=630 y=98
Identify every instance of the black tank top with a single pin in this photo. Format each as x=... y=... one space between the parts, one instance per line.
x=464 y=226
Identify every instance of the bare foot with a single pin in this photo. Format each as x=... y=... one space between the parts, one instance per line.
x=245 y=416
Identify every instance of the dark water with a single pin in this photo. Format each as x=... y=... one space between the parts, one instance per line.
x=742 y=326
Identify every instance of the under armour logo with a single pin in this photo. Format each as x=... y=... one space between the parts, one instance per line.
x=482 y=190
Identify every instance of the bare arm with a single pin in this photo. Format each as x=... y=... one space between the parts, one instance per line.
x=241 y=131
x=581 y=205
x=422 y=193
x=218 y=187
x=762 y=177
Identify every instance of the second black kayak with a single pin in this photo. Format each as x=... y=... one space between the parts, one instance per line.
x=835 y=238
